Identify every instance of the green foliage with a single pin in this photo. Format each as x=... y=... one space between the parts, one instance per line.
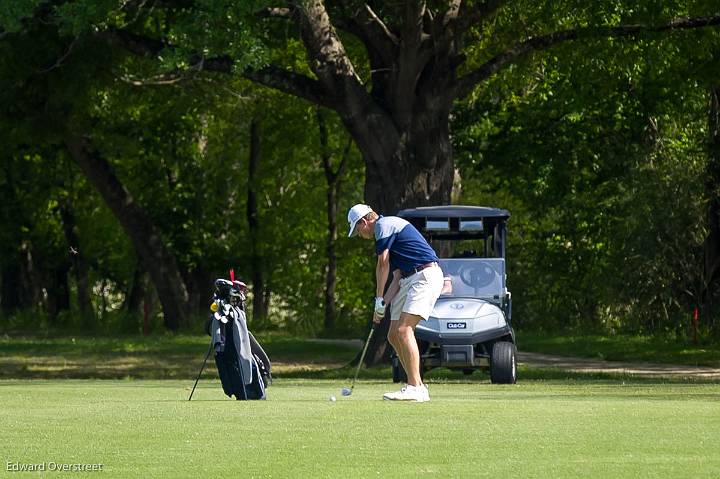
x=182 y=151
x=597 y=148
x=12 y=13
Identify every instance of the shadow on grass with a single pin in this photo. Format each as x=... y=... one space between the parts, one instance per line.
x=657 y=349
x=161 y=357
x=180 y=357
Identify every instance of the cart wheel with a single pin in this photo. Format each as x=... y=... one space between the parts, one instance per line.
x=398 y=373
x=503 y=366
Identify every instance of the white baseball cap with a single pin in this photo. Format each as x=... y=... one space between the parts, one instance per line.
x=356 y=212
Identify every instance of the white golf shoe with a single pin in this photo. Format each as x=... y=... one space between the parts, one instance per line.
x=409 y=393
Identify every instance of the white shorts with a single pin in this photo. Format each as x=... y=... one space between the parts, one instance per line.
x=418 y=293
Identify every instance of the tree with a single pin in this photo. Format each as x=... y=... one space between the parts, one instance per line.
x=712 y=197
x=391 y=71
x=599 y=153
x=146 y=237
x=419 y=58
x=395 y=91
x=334 y=180
x=51 y=119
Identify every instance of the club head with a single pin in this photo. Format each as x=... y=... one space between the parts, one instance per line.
x=346 y=391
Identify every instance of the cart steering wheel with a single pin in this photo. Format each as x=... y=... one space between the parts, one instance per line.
x=478 y=276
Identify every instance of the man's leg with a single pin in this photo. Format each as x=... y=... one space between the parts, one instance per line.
x=402 y=337
x=394 y=340
x=407 y=347
x=396 y=306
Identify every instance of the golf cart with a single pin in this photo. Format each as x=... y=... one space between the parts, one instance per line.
x=470 y=327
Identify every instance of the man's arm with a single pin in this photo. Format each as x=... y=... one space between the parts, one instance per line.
x=381 y=272
x=394 y=287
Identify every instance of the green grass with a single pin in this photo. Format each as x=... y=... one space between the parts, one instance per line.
x=624 y=348
x=537 y=429
x=552 y=424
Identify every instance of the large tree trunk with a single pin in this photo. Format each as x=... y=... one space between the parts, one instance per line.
x=146 y=238
x=712 y=195
x=417 y=170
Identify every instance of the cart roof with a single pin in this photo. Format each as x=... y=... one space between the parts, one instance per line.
x=454 y=211
x=455 y=222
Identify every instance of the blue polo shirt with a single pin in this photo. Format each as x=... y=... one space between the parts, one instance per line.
x=408 y=248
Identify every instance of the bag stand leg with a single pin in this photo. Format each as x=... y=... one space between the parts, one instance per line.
x=201 y=369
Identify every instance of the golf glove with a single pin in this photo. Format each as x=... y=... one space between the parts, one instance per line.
x=379 y=306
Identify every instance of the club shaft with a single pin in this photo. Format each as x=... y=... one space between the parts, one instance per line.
x=362 y=357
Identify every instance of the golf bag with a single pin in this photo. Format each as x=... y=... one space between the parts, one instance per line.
x=242 y=364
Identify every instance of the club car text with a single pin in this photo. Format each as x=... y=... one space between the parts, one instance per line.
x=456 y=325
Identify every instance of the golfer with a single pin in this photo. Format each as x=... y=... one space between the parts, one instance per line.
x=416 y=284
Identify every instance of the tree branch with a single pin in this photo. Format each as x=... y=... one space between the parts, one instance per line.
x=380 y=42
x=447 y=30
x=337 y=85
x=409 y=62
x=271 y=76
x=291 y=83
x=467 y=83
x=327 y=56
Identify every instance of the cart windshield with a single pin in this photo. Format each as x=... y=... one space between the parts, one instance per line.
x=482 y=278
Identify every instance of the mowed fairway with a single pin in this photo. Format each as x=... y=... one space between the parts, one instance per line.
x=147 y=428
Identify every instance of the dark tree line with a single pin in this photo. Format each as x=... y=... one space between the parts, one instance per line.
x=411 y=83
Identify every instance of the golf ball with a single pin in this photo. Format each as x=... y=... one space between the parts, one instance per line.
x=332 y=398
x=346 y=391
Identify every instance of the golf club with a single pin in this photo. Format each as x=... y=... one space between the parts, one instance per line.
x=346 y=391
x=201 y=370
